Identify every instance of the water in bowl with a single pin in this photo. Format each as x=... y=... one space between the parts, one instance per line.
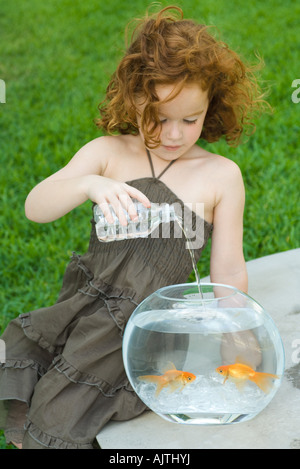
x=195 y=341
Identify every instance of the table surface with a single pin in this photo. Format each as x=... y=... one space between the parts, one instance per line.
x=274 y=282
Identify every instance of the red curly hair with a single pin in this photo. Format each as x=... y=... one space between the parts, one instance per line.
x=166 y=49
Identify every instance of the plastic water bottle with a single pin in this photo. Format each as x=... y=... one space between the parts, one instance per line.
x=148 y=220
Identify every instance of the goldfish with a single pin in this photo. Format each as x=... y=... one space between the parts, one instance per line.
x=240 y=373
x=173 y=379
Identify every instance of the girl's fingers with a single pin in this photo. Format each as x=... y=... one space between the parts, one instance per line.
x=122 y=204
x=136 y=194
x=129 y=206
x=118 y=209
x=106 y=211
x=127 y=202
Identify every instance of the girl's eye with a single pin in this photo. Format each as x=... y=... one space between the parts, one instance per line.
x=162 y=121
x=189 y=122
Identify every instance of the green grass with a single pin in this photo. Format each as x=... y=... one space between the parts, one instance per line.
x=56 y=58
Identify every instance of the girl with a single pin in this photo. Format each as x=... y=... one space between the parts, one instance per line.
x=64 y=378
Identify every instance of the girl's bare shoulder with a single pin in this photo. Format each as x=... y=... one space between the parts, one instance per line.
x=223 y=168
x=223 y=176
x=103 y=151
x=105 y=145
x=228 y=179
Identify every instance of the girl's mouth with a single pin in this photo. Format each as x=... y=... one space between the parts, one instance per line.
x=171 y=148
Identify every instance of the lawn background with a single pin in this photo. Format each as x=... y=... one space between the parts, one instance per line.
x=56 y=58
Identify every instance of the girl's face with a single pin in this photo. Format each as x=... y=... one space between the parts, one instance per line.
x=181 y=119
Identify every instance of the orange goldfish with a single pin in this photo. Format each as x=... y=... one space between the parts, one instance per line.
x=241 y=373
x=173 y=379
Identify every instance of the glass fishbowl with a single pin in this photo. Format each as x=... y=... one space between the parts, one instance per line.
x=203 y=355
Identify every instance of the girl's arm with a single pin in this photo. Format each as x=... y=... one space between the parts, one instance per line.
x=82 y=179
x=227 y=264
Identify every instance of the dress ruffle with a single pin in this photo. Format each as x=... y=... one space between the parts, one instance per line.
x=29 y=371
x=33 y=334
x=76 y=376
x=45 y=440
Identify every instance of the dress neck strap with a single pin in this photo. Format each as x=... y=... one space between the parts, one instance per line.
x=152 y=168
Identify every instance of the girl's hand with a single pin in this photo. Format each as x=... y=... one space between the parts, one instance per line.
x=104 y=191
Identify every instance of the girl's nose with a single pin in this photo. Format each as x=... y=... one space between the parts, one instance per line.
x=174 y=131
